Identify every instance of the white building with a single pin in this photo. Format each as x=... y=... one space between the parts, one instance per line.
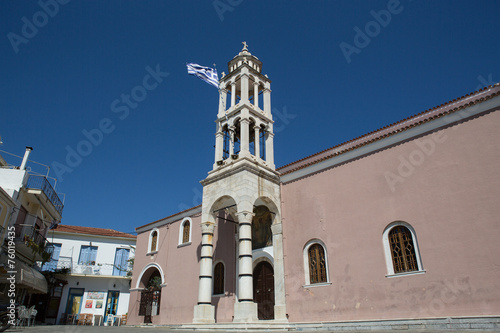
x=29 y=205
x=97 y=264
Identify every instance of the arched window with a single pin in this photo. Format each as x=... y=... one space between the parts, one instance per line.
x=315 y=263
x=185 y=232
x=153 y=241
x=219 y=279
x=401 y=249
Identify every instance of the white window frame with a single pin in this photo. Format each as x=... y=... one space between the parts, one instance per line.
x=306 y=264
x=181 y=231
x=151 y=240
x=388 y=253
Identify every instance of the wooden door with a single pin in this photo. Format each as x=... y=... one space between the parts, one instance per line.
x=263 y=290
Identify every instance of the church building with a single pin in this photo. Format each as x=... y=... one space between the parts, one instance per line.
x=397 y=227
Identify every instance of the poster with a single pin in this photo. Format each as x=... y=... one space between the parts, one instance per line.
x=88 y=304
x=95 y=295
x=98 y=304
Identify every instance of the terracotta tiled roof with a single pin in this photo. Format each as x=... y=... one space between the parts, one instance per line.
x=92 y=231
x=400 y=126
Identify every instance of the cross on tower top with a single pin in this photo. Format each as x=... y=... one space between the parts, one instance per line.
x=245 y=46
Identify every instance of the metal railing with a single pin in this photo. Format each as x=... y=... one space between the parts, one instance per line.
x=84 y=269
x=41 y=183
x=32 y=237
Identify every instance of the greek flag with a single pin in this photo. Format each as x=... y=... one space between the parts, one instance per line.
x=207 y=74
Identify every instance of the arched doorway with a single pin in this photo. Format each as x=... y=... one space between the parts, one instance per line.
x=263 y=290
x=150 y=298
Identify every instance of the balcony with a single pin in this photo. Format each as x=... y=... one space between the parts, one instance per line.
x=31 y=242
x=92 y=269
x=39 y=184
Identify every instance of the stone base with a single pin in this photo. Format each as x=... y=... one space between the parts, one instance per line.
x=245 y=312
x=280 y=314
x=204 y=314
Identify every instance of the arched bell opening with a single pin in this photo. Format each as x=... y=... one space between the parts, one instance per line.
x=262 y=235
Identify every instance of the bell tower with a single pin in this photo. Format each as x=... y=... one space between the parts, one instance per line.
x=244 y=185
x=244 y=121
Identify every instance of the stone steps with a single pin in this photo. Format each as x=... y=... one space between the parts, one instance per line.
x=434 y=324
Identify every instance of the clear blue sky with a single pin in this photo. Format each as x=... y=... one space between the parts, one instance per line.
x=61 y=79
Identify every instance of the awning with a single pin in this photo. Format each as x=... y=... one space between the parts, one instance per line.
x=30 y=277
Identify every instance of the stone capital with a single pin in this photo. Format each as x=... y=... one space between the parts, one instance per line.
x=245 y=216
x=207 y=227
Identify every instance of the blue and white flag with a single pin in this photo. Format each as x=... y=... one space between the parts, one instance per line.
x=207 y=74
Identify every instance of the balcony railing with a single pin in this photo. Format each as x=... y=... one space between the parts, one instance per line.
x=32 y=238
x=41 y=183
x=83 y=269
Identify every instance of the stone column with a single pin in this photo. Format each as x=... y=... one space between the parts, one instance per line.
x=245 y=145
x=279 y=274
x=231 y=140
x=270 y=149
x=267 y=102
x=244 y=88
x=222 y=102
x=233 y=94
x=256 y=94
x=256 y=141
x=245 y=310
x=219 y=143
x=204 y=311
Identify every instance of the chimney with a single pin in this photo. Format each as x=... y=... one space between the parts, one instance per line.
x=25 y=158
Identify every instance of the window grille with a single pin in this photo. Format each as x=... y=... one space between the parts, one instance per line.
x=219 y=279
x=317 y=264
x=154 y=240
x=402 y=250
x=185 y=232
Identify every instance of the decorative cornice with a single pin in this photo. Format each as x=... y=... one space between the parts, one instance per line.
x=424 y=118
x=368 y=145
x=243 y=164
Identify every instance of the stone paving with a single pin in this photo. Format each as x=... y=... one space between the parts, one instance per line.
x=165 y=329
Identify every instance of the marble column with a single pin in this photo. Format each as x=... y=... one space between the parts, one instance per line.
x=245 y=310
x=222 y=102
x=256 y=141
x=270 y=149
x=267 y=102
x=204 y=311
x=244 y=88
x=256 y=94
x=219 y=143
x=245 y=135
x=231 y=140
x=233 y=94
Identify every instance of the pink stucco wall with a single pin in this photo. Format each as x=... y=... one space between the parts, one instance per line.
x=450 y=197
x=180 y=265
